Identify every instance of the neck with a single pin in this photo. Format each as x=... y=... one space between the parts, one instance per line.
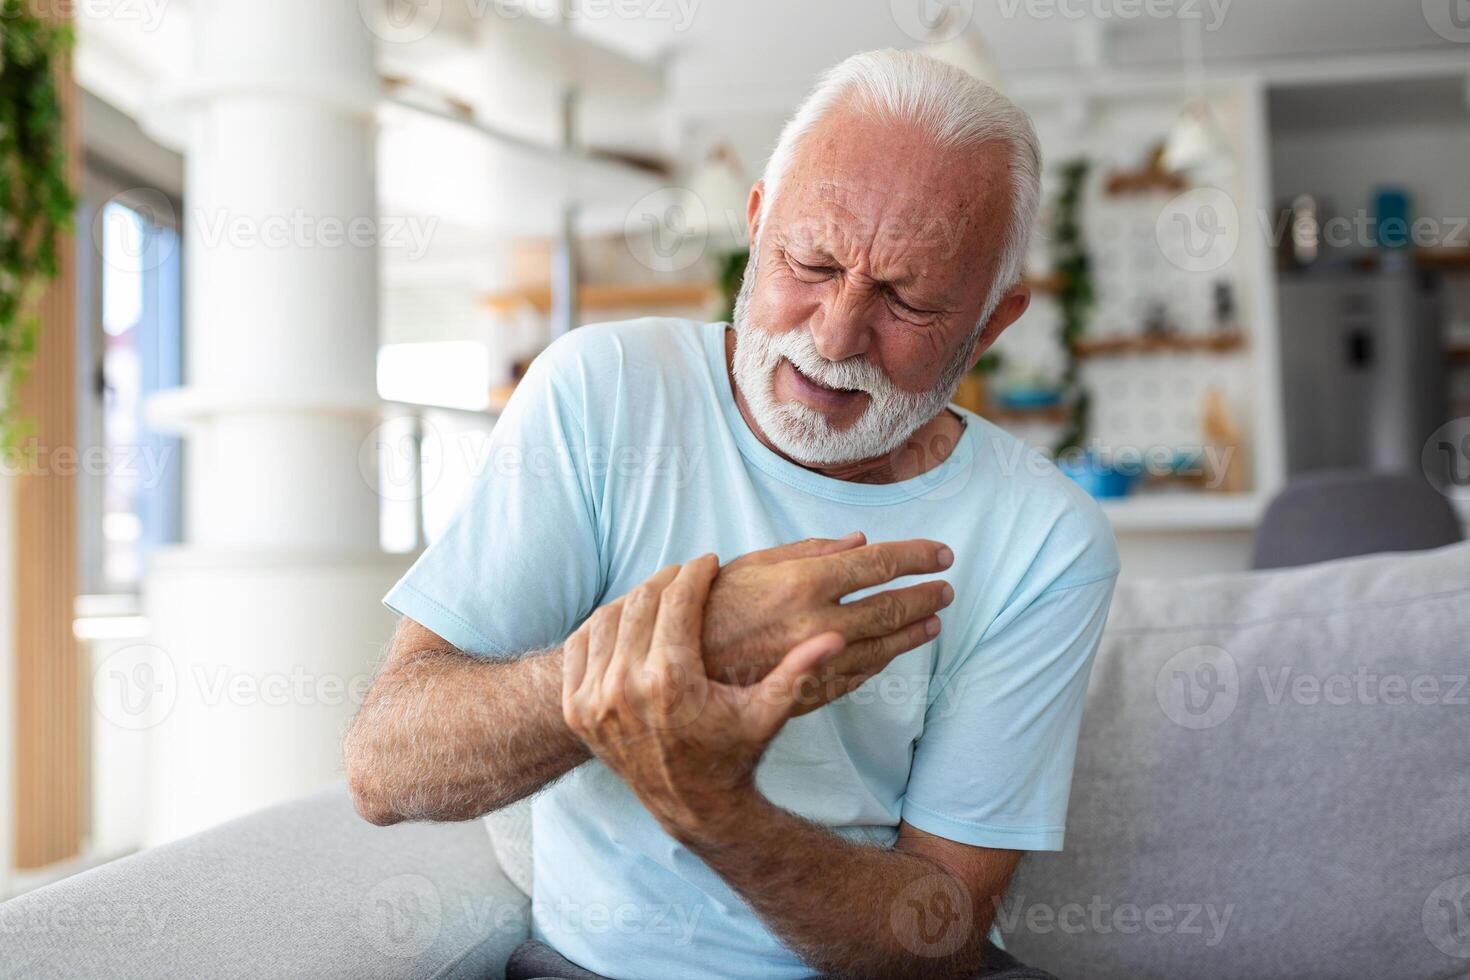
x=930 y=445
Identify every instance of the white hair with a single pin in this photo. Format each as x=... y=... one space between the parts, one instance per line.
x=953 y=108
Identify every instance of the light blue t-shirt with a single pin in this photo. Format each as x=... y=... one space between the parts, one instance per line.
x=623 y=451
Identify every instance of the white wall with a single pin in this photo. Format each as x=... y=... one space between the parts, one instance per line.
x=1342 y=165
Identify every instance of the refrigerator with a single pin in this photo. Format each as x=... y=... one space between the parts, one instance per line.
x=1363 y=369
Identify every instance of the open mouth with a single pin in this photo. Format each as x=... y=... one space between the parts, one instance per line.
x=812 y=392
x=825 y=387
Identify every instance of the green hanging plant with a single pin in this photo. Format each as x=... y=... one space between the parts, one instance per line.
x=1075 y=295
x=730 y=273
x=36 y=199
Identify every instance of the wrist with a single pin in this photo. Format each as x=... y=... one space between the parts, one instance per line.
x=716 y=819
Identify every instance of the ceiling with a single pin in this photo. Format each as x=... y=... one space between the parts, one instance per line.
x=768 y=51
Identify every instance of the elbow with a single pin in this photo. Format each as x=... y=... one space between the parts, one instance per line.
x=369 y=796
x=370 y=807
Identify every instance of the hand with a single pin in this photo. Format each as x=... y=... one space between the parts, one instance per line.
x=638 y=696
x=764 y=603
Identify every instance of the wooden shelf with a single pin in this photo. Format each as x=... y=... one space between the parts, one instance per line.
x=1049 y=283
x=1172 y=343
x=1449 y=259
x=608 y=296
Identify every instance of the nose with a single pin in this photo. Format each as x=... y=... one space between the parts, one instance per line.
x=840 y=328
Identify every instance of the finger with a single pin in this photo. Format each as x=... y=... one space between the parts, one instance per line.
x=639 y=614
x=850 y=669
x=776 y=697
x=875 y=564
x=602 y=639
x=806 y=548
x=573 y=664
x=677 y=633
x=887 y=612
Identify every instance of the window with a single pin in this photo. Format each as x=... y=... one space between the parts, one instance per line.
x=131 y=346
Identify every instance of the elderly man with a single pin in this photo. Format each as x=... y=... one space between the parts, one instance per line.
x=787 y=764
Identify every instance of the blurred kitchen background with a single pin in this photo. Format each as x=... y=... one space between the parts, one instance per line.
x=317 y=242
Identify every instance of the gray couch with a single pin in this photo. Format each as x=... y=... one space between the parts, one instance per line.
x=1274 y=781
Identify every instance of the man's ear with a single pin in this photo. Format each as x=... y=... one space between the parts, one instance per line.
x=1007 y=312
x=753 y=209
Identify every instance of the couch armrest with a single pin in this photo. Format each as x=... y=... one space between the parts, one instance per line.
x=304 y=889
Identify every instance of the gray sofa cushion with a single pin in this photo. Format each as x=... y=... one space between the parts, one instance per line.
x=1273 y=781
x=306 y=889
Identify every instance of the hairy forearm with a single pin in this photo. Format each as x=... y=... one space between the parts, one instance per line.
x=847 y=909
x=446 y=736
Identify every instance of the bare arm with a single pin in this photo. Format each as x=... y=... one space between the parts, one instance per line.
x=921 y=909
x=446 y=736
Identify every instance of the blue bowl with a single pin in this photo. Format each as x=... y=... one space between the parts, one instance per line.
x=1097 y=478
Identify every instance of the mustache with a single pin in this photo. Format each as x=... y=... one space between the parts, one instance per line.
x=852 y=374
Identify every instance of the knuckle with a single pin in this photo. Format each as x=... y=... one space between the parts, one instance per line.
x=888 y=613
x=805 y=624
x=679 y=596
x=790 y=589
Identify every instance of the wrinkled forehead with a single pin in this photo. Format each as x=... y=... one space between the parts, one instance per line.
x=857 y=185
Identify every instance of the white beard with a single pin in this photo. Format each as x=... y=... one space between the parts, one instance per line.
x=803 y=433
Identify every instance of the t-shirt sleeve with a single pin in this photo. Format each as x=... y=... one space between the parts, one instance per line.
x=993 y=767
x=519 y=565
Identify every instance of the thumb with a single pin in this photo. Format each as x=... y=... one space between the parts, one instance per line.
x=777 y=697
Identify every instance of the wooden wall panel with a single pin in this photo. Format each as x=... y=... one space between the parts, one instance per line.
x=50 y=682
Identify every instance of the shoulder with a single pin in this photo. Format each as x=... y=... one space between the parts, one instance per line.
x=608 y=376
x=1063 y=533
x=612 y=350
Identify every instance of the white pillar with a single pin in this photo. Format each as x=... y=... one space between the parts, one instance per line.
x=268 y=620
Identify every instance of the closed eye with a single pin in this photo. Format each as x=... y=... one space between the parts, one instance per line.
x=909 y=308
x=813 y=270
